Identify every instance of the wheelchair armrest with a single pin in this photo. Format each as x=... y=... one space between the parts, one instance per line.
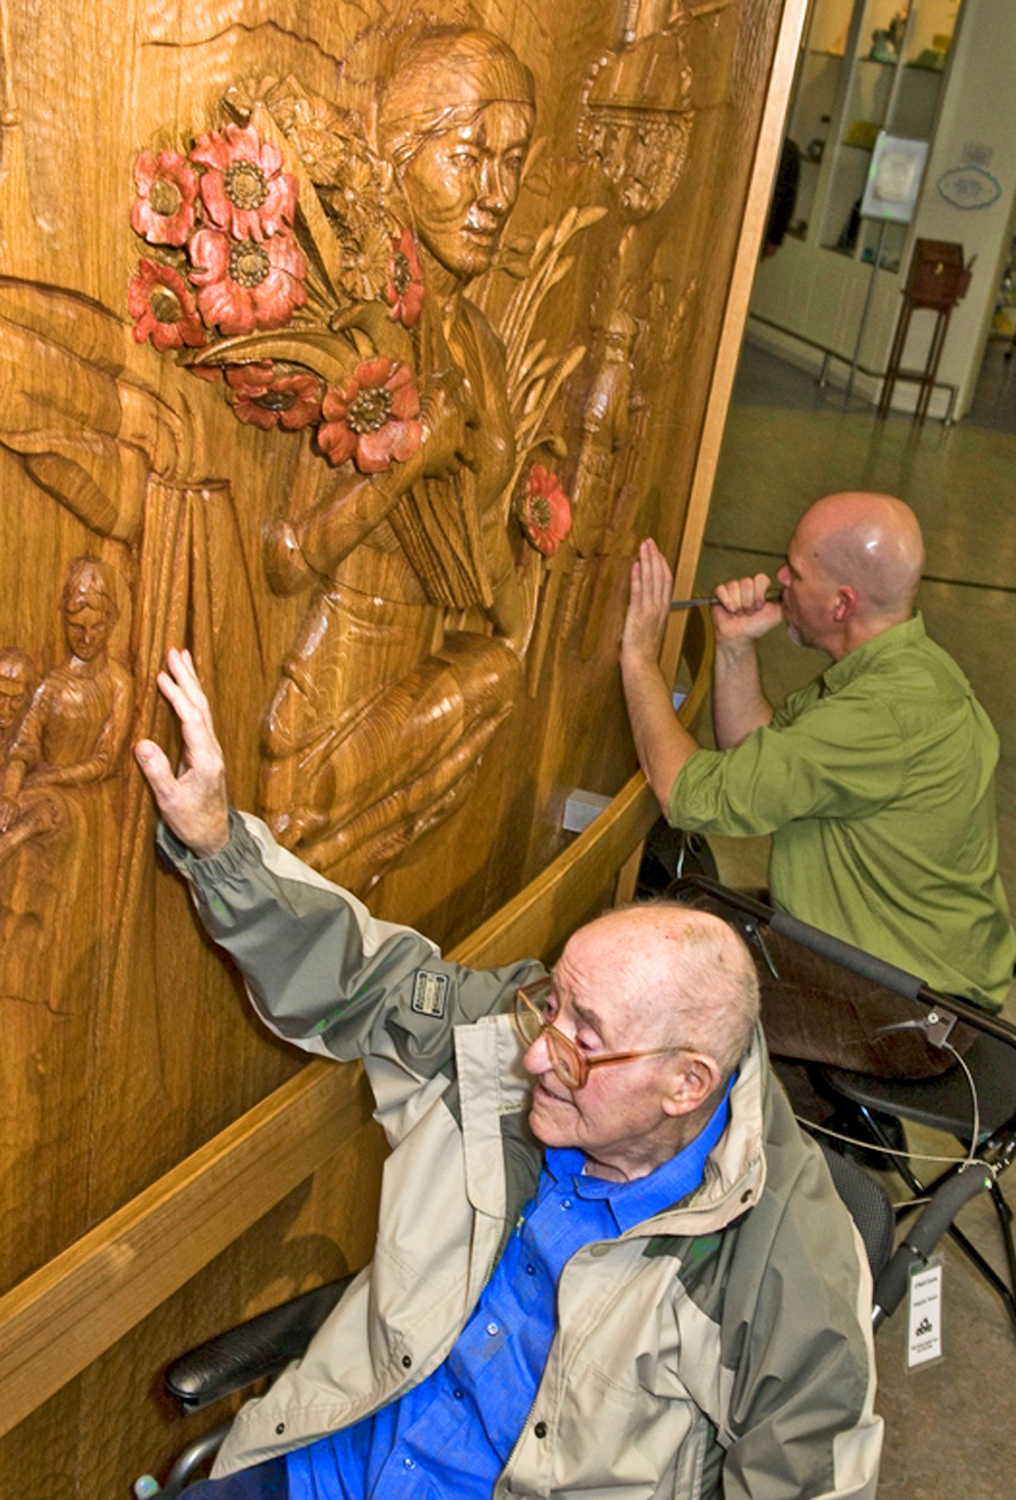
x=257 y=1348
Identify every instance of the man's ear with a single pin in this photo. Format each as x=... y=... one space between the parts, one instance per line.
x=690 y=1081
x=846 y=603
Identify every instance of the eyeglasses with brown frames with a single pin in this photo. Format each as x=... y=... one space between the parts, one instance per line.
x=571 y=1066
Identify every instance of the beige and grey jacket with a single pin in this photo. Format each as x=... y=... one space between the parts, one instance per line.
x=722 y=1347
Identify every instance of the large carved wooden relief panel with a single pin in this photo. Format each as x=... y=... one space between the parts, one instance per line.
x=353 y=347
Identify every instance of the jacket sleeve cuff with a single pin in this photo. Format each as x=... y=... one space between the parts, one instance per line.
x=207 y=870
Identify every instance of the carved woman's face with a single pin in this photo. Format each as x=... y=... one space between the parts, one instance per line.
x=87 y=628
x=462 y=185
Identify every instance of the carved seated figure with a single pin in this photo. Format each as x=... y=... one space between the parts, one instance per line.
x=408 y=658
x=17 y=683
x=56 y=787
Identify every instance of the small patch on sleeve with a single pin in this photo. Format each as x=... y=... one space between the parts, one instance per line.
x=430 y=994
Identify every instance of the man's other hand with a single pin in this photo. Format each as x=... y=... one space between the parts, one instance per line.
x=648 y=607
x=743 y=612
x=193 y=803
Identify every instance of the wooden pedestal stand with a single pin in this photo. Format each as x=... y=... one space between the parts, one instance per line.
x=937 y=281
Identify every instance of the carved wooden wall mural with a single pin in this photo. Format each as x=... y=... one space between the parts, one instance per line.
x=354 y=347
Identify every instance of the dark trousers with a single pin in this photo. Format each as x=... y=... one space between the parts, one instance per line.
x=264 y=1482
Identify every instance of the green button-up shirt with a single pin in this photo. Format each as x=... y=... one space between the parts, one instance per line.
x=877 y=784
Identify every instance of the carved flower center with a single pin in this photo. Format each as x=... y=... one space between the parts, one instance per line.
x=369 y=410
x=246 y=185
x=539 y=509
x=402 y=272
x=275 y=400
x=165 y=197
x=165 y=304
x=248 y=264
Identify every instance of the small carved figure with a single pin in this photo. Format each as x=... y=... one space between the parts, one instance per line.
x=17 y=683
x=75 y=729
x=368 y=741
x=58 y=799
x=606 y=418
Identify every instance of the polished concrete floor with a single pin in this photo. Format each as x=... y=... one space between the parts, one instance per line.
x=950 y=1427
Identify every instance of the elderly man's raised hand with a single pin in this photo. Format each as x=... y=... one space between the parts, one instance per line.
x=193 y=803
x=743 y=611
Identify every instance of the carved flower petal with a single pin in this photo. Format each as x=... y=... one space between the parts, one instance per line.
x=209 y=255
x=405 y=400
x=228 y=306
x=337 y=442
x=374 y=450
x=270 y=157
x=216 y=200
x=337 y=403
x=286 y=255
x=279 y=206
x=275 y=299
x=373 y=372
x=406 y=438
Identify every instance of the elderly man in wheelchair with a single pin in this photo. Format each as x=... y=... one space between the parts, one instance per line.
x=607 y=1258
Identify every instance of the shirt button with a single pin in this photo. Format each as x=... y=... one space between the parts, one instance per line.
x=530 y=1270
x=407 y=1362
x=566 y=1203
x=540 y=1430
x=409 y=1463
x=280 y=1429
x=492 y=1329
x=457 y=1394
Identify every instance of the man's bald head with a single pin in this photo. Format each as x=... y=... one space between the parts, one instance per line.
x=871 y=543
x=694 y=977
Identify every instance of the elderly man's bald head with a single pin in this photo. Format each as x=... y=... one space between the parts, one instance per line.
x=694 y=976
x=873 y=544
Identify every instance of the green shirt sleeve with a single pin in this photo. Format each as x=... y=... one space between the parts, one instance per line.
x=842 y=756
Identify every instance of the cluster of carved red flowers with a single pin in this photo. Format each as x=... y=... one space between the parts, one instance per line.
x=373 y=419
x=545 y=512
x=247 y=266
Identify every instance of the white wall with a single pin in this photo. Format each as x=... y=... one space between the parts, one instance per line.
x=979 y=109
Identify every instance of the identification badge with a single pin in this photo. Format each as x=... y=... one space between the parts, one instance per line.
x=924 y=1315
x=429 y=994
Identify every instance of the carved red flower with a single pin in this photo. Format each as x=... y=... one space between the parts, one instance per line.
x=546 y=511
x=267 y=397
x=245 y=285
x=163 y=308
x=374 y=419
x=405 y=291
x=245 y=190
x=163 y=212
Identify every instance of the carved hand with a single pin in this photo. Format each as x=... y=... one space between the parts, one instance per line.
x=193 y=803
x=450 y=423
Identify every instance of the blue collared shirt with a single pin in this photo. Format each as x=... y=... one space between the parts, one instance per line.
x=450 y=1437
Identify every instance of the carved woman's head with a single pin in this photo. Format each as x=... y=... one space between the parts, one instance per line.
x=456 y=121
x=89 y=608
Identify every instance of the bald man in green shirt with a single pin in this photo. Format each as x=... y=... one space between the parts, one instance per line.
x=876 y=781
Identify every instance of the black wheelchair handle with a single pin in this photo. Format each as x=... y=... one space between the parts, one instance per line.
x=849 y=957
x=925 y=1233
